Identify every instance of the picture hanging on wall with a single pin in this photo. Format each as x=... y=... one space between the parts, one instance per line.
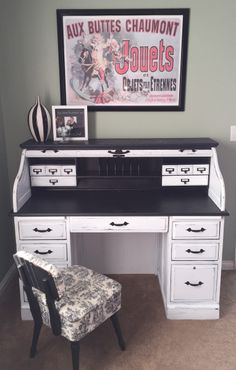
x=123 y=59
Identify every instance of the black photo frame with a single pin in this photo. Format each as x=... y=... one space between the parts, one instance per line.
x=123 y=59
x=69 y=123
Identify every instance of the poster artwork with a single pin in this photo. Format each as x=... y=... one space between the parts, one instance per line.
x=123 y=60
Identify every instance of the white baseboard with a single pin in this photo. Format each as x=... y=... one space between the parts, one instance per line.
x=228 y=265
x=7 y=278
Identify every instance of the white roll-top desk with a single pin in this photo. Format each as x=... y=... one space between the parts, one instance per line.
x=172 y=187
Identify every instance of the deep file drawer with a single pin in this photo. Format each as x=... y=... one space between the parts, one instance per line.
x=48 y=251
x=42 y=229
x=193 y=282
x=119 y=224
x=196 y=229
x=195 y=250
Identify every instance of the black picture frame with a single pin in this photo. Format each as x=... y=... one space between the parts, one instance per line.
x=158 y=73
x=69 y=123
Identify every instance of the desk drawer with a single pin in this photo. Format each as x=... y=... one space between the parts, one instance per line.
x=119 y=224
x=53 y=181
x=49 y=251
x=195 y=251
x=42 y=229
x=193 y=282
x=194 y=180
x=196 y=229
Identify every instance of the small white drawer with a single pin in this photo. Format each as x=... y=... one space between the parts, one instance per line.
x=47 y=251
x=53 y=170
x=201 y=169
x=185 y=180
x=37 y=170
x=169 y=170
x=53 y=181
x=185 y=169
x=68 y=171
x=195 y=251
x=193 y=282
x=41 y=229
x=119 y=224
x=196 y=229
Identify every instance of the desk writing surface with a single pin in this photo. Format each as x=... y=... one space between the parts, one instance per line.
x=128 y=202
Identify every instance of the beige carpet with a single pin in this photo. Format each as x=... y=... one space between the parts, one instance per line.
x=153 y=343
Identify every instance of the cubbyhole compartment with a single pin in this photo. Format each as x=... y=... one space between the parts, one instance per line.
x=115 y=167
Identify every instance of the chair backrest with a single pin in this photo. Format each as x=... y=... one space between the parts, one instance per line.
x=38 y=274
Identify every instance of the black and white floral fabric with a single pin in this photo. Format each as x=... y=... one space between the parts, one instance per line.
x=88 y=298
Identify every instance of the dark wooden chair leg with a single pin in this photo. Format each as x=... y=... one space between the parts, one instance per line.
x=75 y=349
x=116 y=325
x=37 y=329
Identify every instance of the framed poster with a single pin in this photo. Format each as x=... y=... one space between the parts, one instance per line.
x=123 y=59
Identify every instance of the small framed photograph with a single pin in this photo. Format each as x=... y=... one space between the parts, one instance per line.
x=69 y=122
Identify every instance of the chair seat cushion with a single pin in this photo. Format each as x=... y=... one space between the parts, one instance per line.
x=88 y=300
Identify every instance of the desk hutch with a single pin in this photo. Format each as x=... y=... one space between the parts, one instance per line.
x=172 y=187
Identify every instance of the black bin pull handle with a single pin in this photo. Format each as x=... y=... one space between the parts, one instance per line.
x=52 y=170
x=195 y=252
x=185 y=181
x=37 y=170
x=190 y=230
x=201 y=169
x=192 y=284
x=185 y=169
x=38 y=252
x=53 y=182
x=42 y=230
x=68 y=170
x=170 y=169
x=114 y=224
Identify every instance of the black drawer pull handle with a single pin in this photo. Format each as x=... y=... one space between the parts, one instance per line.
x=37 y=170
x=124 y=224
x=195 y=252
x=182 y=150
x=52 y=170
x=53 y=182
x=196 y=231
x=118 y=151
x=185 y=170
x=170 y=170
x=42 y=231
x=44 y=150
x=38 y=252
x=192 y=284
x=201 y=169
x=67 y=171
x=185 y=181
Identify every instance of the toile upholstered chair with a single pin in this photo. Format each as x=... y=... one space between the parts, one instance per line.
x=73 y=301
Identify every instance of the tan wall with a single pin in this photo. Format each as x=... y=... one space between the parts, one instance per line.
x=30 y=68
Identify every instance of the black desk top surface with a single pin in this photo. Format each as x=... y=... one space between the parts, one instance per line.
x=161 y=143
x=132 y=203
